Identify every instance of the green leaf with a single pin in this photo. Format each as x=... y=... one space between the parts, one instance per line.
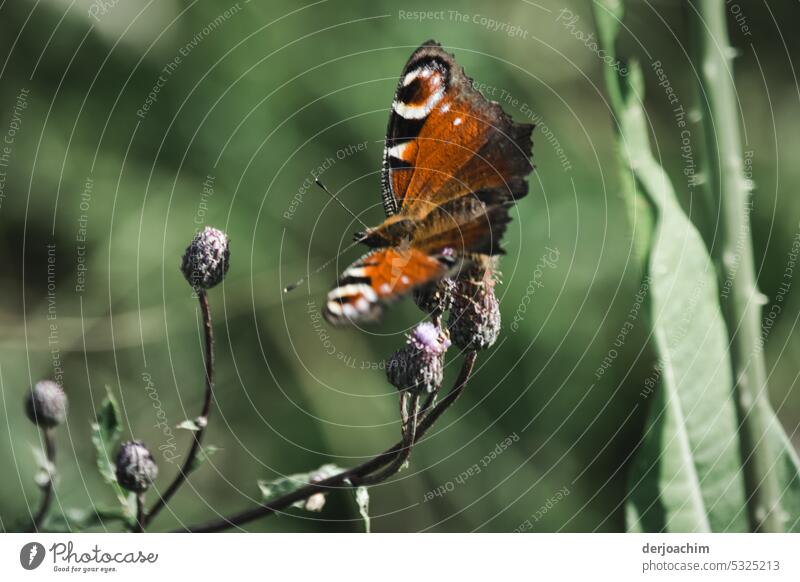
x=362 y=500
x=76 y=520
x=105 y=434
x=202 y=456
x=188 y=425
x=281 y=486
x=47 y=470
x=686 y=475
x=787 y=465
x=106 y=431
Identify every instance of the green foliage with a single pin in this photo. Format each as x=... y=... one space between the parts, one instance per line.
x=202 y=456
x=106 y=431
x=77 y=520
x=47 y=470
x=687 y=474
x=189 y=425
x=105 y=436
x=283 y=485
x=361 y=496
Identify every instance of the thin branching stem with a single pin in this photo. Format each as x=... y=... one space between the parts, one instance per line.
x=202 y=421
x=345 y=479
x=140 y=518
x=409 y=404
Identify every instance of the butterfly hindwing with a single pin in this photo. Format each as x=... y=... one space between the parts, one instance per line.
x=376 y=278
x=463 y=226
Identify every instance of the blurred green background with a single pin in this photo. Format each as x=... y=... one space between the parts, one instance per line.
x=249 y=103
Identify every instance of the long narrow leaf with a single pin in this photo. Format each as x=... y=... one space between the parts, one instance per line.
x=687 y=473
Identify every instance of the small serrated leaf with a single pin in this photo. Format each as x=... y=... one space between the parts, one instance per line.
x=188 y=425
x=75 y=519
x=47 y=470
x=362 y=500
x=281 y=486
x=105 y=434
x=106 y=431
x=202 y=456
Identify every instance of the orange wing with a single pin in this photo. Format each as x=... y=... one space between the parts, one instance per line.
x=445 y=140
x=378 y=277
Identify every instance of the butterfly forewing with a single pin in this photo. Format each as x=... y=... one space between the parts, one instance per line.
x=376 y=278
x=445 y=140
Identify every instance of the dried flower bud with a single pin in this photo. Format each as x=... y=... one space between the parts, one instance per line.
x=136 y=469
x=474 y=319
x=436 y=297
x=46 y=404
x=419 y=365
x=206 y=260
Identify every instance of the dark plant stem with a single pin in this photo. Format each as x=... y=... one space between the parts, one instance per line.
x=139 y=527
x=409 y=405
x=47 y=490
x=202 y=420
x=345 y=479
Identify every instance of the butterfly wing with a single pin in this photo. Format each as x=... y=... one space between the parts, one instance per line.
x=445 y=140
x=461 y=227
x=378 y=277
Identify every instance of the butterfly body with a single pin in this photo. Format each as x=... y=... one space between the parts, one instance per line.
x=453 y=165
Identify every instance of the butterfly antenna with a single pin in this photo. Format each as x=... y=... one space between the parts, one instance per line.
x=299 y=282
x=332 y=195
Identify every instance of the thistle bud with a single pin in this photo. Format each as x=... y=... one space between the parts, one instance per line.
x=436 y=297
x=46 y=404
x=136 y=469
x=419 y=365
x=474 y=319
x=206 y=260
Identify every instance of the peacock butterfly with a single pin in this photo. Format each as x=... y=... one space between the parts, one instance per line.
x=453 y=165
